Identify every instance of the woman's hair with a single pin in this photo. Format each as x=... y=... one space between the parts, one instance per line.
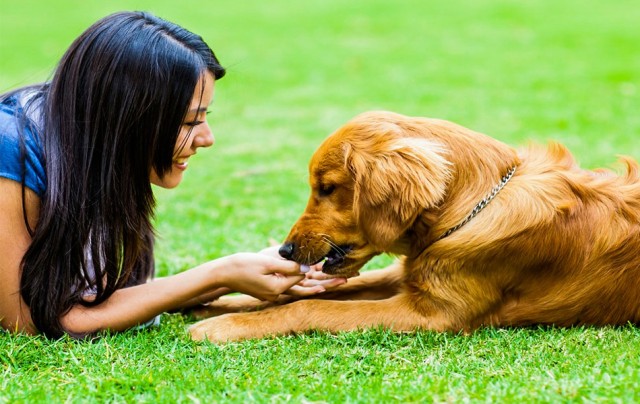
x=111 y=113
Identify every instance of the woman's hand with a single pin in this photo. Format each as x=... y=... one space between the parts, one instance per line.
x=262 y=276
x=314 y=282
x=266 y=277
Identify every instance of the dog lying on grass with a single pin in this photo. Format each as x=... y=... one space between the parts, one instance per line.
x=489 y=236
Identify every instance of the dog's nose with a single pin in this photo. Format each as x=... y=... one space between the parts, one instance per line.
x=286 y=250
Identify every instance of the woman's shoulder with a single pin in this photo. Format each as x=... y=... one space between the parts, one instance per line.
x=20 y=149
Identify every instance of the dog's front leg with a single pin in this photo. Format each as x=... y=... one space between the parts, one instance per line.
x=396 y=313
x=234 y=304
x=370 y=285
x=374 y=284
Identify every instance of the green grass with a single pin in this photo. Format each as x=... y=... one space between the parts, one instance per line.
x=519 y=71
x=530 y=365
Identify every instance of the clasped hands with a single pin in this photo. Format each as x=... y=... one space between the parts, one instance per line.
x=315 y=281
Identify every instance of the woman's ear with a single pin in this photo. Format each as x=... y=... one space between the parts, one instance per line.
x=395 y=179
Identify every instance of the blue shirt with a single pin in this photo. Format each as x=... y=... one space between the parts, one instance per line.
x=12 y=165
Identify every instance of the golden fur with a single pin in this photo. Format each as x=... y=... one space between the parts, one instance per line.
x=558 y=244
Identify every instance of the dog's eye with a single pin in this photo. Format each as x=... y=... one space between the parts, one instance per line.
x=326 y=190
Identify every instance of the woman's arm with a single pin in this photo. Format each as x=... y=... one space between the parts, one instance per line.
x=138 y=304
x=255 y=274
x=259 y=275
x=14 y=241
x=204 y=299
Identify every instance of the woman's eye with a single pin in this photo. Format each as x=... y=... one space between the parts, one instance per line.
x=326 y=190
x=194 y=123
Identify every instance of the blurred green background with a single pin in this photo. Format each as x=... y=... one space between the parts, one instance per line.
x=520 y=71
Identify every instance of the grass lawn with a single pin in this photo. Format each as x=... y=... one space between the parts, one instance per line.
x=519 y=71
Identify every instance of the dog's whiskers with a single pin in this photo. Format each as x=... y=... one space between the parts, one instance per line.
x=309 y=256
x=333 y=245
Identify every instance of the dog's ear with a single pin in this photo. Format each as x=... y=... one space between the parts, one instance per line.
x=395 y=179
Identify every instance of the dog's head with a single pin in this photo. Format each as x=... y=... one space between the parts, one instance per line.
x=369 y=182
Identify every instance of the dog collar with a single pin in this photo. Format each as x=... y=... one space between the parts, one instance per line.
x=482 y=204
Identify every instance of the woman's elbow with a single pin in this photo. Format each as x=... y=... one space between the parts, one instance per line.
x=18 y=325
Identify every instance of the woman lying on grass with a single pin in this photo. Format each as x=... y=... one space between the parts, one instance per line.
x=125 y=109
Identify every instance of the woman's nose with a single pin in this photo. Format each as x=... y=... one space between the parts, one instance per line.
x=204 y=137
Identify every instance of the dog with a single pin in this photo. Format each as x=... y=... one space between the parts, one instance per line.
x=487 y=235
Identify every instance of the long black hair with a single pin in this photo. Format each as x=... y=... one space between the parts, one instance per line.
x=111 y=114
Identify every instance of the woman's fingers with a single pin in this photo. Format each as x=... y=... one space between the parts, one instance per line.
x=327 y=284
x=302 y=291
x=318 y=275
x=310 y=287
x=271 y=251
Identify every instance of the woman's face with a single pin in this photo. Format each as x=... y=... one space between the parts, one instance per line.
x=194 y=133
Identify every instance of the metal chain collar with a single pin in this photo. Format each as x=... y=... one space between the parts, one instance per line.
x=483 y=203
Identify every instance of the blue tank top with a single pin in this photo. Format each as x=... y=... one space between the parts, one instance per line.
x=21 y=156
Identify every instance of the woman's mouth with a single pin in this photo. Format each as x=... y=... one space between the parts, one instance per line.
x=181 y=164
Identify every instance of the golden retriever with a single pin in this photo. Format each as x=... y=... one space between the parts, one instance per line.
x=489 y=236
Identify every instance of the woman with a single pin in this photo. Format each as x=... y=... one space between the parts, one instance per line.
x=126 y=108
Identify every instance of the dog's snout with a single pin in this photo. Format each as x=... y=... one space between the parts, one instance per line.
x=286 y=250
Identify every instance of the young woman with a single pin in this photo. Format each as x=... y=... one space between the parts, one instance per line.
x=125 y=108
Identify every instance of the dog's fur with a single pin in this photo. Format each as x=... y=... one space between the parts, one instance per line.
x=558 y=245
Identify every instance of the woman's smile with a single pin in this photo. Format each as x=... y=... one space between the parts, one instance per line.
x=194 y=134
x=181 y=163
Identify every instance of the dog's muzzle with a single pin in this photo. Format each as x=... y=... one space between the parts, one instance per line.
x=332 y=259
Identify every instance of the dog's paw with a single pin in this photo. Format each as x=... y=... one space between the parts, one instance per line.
x=221 y=329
